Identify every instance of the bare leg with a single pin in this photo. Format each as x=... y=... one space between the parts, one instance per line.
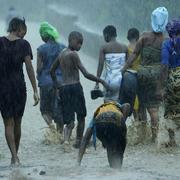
x=10 y=138
x=172 y=141
x=125 y=110
x=154 y=122
x=17 y=132
x=84 y=144
x=136 y=115
x=79 y=132
x=142 y=114
x=60 y=127
x=48 y=119
x=68 y=131
x=67 y=134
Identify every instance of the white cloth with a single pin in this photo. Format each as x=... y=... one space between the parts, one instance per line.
x=159 y=19
x=114 y=62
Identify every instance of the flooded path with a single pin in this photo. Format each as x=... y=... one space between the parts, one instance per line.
x=140 y=162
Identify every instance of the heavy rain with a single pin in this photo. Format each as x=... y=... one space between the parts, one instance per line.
x=41 y=152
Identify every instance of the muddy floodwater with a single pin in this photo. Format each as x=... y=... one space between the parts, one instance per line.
x=49 y=162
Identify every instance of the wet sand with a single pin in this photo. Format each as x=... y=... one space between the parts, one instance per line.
x=140 y=161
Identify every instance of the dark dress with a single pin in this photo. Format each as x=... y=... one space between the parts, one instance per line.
x=12 y=83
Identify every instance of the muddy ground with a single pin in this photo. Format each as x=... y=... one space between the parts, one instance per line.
x=140 y=161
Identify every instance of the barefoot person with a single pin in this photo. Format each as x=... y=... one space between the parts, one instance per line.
x=46 y=55
x=109 y=125
x=170 y=77
x=71 y=92
x=112 y=58
x=14 y=52
x=149 y=46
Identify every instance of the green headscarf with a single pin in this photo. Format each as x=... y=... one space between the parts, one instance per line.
x=48 y=31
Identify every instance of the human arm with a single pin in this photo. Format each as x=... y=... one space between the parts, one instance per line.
x=100 y=65
x=84 y=144
x=39 y=63
x=132 y=57
x=31 y=75
x=85 y=72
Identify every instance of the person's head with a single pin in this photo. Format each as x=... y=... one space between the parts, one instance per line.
x=48 y=32
x=109 y=33
x=17 y=26
x=159 y=19
x=173 y=28
x=75 y=40
x=133 y=34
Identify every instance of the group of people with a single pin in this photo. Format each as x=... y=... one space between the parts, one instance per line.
x=133 y=78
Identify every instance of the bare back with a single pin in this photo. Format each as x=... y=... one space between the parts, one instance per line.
x=114 y=47
x=149 y=39
x=69 y=67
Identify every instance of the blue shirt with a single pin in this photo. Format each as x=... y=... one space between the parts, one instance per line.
x=170 y=54
x=49 y=52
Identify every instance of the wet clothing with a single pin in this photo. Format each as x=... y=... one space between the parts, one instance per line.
x=48 y=53
x=149 y=47
x=73 y=101
x=50 y=103
x=136 y=63
x=148 y=76
x=172 y=95
x=114 y=62
x=171 y=57
x=108 y=110
x=13 y=87
x=127 y=93
x=147 y=95
x=108 y=125
x=129 y=89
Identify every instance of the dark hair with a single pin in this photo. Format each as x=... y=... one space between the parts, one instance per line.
x=75 y=35
x=173 y=28
x=133 y=33
x=16 y=24
x=110 y=31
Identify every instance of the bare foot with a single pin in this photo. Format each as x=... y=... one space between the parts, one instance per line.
x=15 y=162
x=172 y=143
x=77 y=144
x=62 y=141
x=67 y=147
x=52 y=127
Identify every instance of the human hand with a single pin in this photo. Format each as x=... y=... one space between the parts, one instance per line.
x=96 y=86
x=123 y=70
x=106 y=85
x=36 y=98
